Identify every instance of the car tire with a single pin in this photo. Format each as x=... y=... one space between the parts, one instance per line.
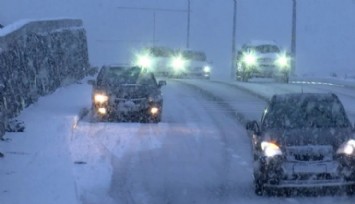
x=2 y=129
x=285 y=78
x=150 y=119
x=259 y=187
x=157 y=119
x=94 y=116
x=244 y=75
x=350 y=190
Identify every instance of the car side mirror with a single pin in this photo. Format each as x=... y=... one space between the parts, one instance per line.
x=252 y=126
x=162 y=83
x=91 y=82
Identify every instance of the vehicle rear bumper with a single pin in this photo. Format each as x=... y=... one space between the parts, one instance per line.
x=312 y=175
x=266 y=71
x=311 y=183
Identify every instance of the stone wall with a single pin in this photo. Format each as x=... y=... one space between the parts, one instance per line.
x=38 y=57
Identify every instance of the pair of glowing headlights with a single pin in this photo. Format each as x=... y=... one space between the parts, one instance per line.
x=103 y=98
x=282 y=61
x=271 y=149
x=178 y=63
x=145 y=61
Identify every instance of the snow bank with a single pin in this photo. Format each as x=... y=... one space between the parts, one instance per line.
x=37 y=166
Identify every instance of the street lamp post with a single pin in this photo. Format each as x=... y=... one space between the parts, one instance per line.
x=155 y=10
x=293 y=36
x=188 y=24
x=232 y=74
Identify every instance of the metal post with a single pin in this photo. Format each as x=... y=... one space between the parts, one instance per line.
x=188 y=23
x=154 y=16
x=154 y=28
x=293 y=36
x=232 y=74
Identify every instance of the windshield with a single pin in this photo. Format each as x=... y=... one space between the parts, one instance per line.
x=161 y=51
x=194 y=55
x=177 y=101
x=116 y=76
x=326 y=113
x=265 y=49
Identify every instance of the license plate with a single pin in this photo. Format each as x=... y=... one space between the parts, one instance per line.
x=309 y=168
x=128 y=106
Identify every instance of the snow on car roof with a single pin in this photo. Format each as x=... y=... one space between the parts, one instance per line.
x=302 y=96
x=261 y=42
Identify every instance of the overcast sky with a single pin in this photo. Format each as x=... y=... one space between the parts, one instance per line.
x=326 y=34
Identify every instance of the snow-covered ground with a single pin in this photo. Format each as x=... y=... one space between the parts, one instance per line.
x=37 y=166
x=199 y=153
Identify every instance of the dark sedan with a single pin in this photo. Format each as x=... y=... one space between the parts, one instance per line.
x=303 y=141
x=122 y=93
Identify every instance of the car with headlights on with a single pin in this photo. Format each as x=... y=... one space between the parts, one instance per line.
x=127 y=93
x=191 y=64
x=262 y=59
x=303 y=141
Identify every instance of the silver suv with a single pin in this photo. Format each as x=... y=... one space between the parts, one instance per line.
x=262 y=59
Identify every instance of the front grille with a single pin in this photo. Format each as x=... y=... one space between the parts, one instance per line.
x=321 y=176
x=265 y=60
x=309 y=153
x=307 y=157
x=135 y=101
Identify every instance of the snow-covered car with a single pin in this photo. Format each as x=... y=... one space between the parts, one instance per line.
x=196 y=64
x=158 y=59
x=190 y=63
x=304 y=140
x=127 y=93
x=262 y=59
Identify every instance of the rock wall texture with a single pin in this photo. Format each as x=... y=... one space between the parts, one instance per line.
x=36 y=58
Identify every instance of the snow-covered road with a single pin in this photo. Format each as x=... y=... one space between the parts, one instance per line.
x=199 y=153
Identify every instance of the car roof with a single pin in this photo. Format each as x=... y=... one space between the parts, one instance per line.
x=303 y=96
x=261 y=42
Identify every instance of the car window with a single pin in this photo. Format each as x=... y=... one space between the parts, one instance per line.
x=267 y=49
x=146 y=79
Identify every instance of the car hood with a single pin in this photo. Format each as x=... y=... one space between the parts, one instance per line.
x=309 y=136
x=268 y=55
x=131 y=91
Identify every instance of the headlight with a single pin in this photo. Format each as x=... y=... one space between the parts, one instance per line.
x=100 y=98
x=207 y=69
x=144 y=61
x=250 y=59
x=102 y=111
x=154 y=110
x=270 y=149
x=348 y=148
x=283 y=61
x=178 y=63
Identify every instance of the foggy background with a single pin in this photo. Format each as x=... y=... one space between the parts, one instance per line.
x=325 y=32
